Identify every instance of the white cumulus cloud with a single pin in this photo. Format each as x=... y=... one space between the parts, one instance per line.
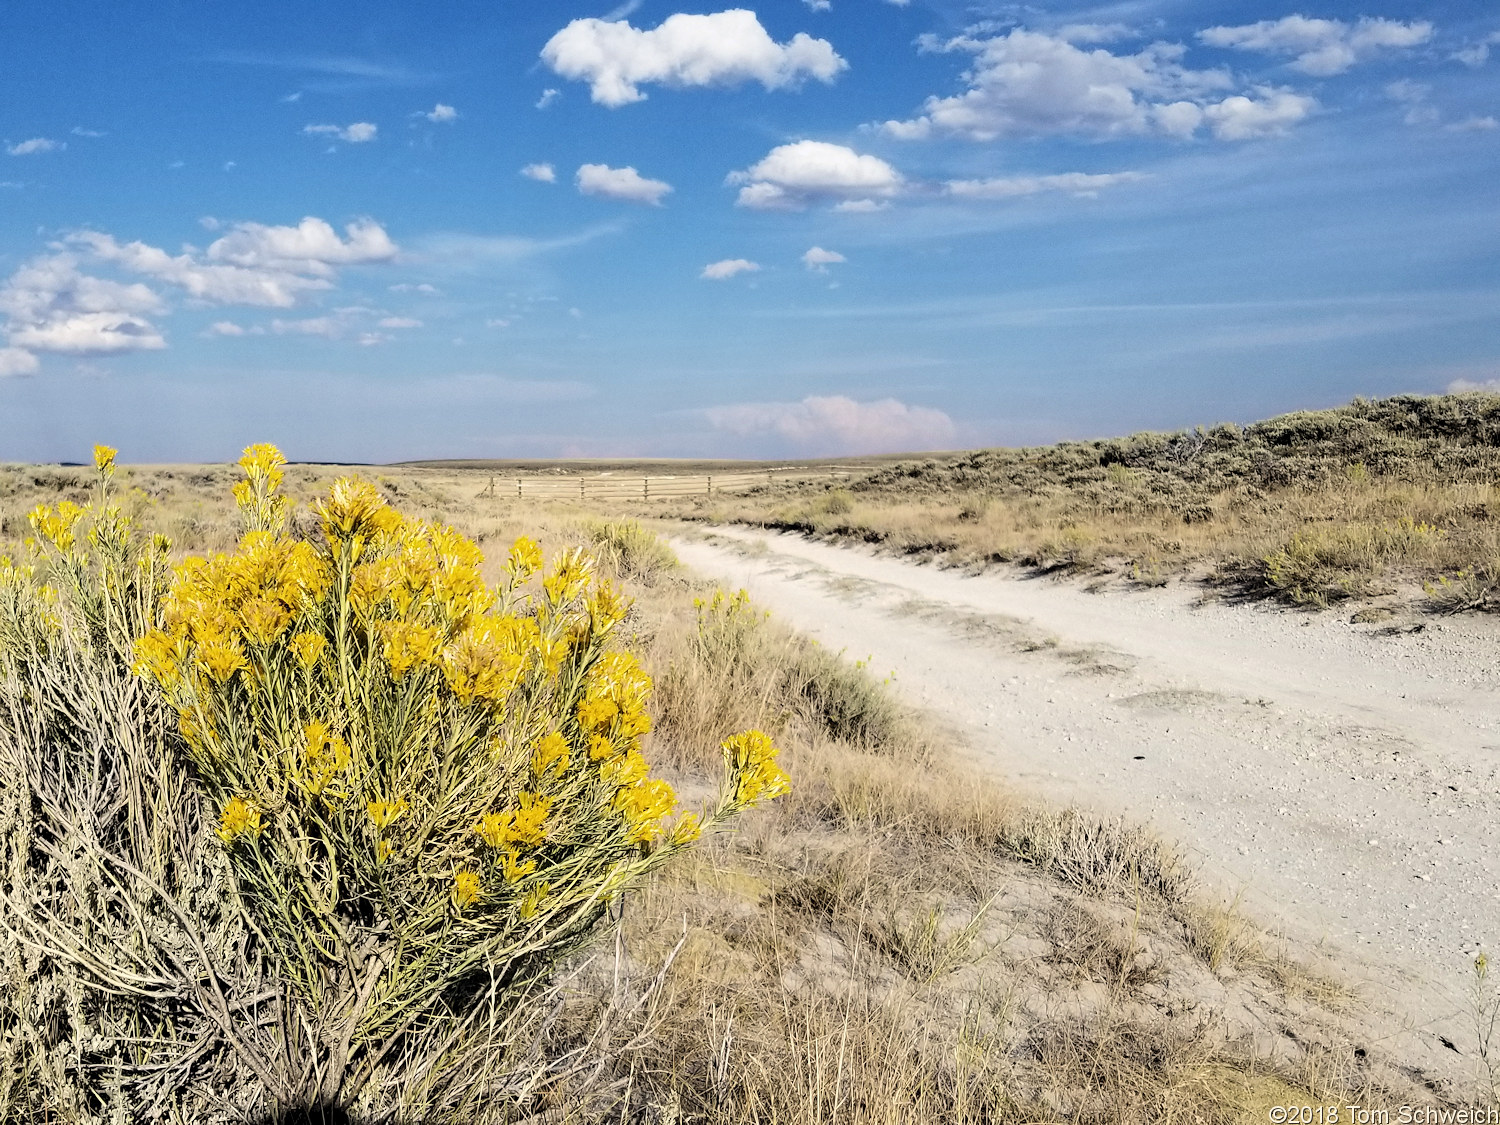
x=1010 y=187
x=215 y=283
x=1027 y=83
x=1268 y=114
x=791 y=176
x=253 y=264
x=312 y=246
x=34 y=146
x=357 y=133
x=818 y=260
x=719 y=49
x=729 y=267
x=440 y=113
x=50 y=305
x=542 y=173
x=1320 y=47
x=92 y=333
x=620 y=183
x=836 y=423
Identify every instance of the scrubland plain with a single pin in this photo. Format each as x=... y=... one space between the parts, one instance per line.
x=899 y=939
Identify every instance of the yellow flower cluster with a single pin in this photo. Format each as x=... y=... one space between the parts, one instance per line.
x=524 y=559
x=551 y=757
x=325 y=759
x=568 y=577
x=256 y=495
x=525 y=825
x=56 y=525
x=239 y=818
x=383 y=814
x=104 y=460
x=752 y=757
x=486 y=659
x=408 y=646
x=612 y=715
x=466 y=889
x=417 y=586
x=218 y=606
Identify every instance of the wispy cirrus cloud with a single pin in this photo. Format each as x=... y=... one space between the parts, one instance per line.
x=1012 y=187
x=462 y=251
x=360 y=132
x=34 y=146
x=332 y=73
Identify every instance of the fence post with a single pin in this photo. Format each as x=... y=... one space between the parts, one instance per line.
x=580 y=488
x=710 y=484
x=645 y=488
x=518 y=488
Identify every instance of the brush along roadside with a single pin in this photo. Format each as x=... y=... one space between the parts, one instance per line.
x=1393 y=499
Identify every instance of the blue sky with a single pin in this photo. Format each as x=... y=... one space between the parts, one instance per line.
x=396 y=230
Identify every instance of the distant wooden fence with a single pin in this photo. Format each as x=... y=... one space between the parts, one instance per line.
x=578 y=486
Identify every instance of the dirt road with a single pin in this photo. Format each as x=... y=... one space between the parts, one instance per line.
x=1344 y=777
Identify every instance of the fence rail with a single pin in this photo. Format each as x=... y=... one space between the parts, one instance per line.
x=601 y=487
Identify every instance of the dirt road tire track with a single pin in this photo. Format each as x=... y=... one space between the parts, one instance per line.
x=1344 y=777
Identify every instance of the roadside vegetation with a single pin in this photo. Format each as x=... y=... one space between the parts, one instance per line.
x=1395 y=498
x=894 y=941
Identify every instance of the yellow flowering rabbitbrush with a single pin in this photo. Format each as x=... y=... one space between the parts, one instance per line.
x=420 y=780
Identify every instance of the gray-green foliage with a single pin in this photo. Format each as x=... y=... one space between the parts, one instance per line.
x=1443 y=438
x=125 y=973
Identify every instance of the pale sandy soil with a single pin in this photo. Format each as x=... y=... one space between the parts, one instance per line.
x=1341 y=776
